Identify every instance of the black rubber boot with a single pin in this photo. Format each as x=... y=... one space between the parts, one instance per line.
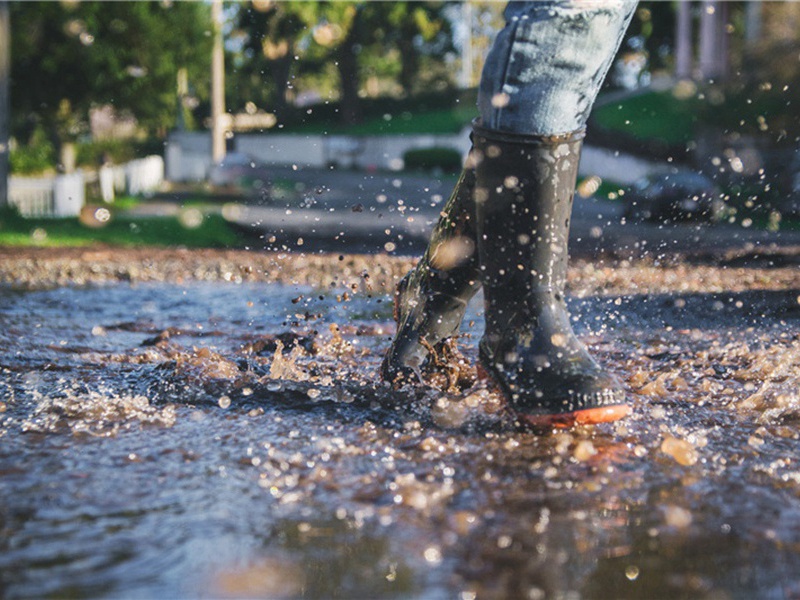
x=524 y=192
x=431 y=299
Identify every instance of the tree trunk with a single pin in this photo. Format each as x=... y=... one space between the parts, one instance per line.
x=710 y=40
x=752 y=25
x=280 y=69
x=5 y=31
x=347 y=63
x=68 y=157
x=63 y=146
x=218 y=125
x=683 y=41
x=409 y=65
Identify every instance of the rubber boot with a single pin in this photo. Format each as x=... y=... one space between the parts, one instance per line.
x=431 y=299
x=524 y=193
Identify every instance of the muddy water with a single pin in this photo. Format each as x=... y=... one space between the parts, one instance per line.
x=214 y=439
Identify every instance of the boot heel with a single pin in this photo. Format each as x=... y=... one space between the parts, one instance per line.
x=545 y=422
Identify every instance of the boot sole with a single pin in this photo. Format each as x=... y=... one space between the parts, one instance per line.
x=587 y=416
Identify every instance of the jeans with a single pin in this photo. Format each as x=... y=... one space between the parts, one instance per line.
x=547 y=64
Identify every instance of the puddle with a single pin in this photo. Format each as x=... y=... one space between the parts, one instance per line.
x=221 y=439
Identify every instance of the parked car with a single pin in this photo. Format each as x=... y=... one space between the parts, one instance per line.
x=240 y=170
x=676 y=195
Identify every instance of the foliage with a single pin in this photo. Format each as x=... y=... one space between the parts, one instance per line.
x=39 y=155
x=348 y=49
x=69 y=56
x=445 y=159
x=260 y=72
x=652 y=31
x=761 y=96
x=35 y=157
x=116 y=151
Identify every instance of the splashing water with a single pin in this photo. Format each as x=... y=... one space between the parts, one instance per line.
x=224 y=438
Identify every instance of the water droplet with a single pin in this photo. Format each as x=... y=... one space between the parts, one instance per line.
x=500 y=100
x=676 y=516
x=584 y=450
x=433 y=555
x=632 y=572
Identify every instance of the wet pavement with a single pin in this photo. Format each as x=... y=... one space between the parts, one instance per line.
x=339 y=210
x=211 y=424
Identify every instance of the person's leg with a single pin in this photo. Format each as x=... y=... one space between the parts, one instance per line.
x=546 y=66
x=538 y=85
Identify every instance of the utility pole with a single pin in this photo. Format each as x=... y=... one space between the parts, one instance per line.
x=218 y=120
x=683 y=41
x=5 y=68
x=467 y=59
x=710 y=40
x=752 y=28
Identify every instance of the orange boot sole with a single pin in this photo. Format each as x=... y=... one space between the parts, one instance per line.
x=587 y=416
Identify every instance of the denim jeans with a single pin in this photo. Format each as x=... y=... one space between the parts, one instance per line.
x=547 y=64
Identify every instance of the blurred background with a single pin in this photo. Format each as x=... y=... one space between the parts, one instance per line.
x=275 y=124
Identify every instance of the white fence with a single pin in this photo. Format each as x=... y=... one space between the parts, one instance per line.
x=32 y=197
x=61 y=196
x=144 y=175
x=65 y=195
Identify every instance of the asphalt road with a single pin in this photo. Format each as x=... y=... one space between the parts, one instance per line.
x=374 y=212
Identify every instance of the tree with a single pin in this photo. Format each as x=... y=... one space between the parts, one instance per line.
x=69 y=56
x=414 y=29
x=269 y=33
x=356 y=31
x=337 y=27
x=4 y=74
x=340 y=46
x=276 y=33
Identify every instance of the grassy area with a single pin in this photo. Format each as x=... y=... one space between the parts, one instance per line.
x=126 y=202
x=212 y=232
x=438 y=121
x=434 y=112
x=653 y=115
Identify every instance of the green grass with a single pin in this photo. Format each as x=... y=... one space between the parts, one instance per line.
x=654 y=115
x=125 y=202
x=438 y=121
x=439 y=112
x=213 y=232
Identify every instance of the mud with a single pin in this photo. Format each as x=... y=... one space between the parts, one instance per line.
x=211 y=424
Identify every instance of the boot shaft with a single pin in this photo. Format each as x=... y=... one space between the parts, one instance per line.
x=452 y=253
x=524 y=192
